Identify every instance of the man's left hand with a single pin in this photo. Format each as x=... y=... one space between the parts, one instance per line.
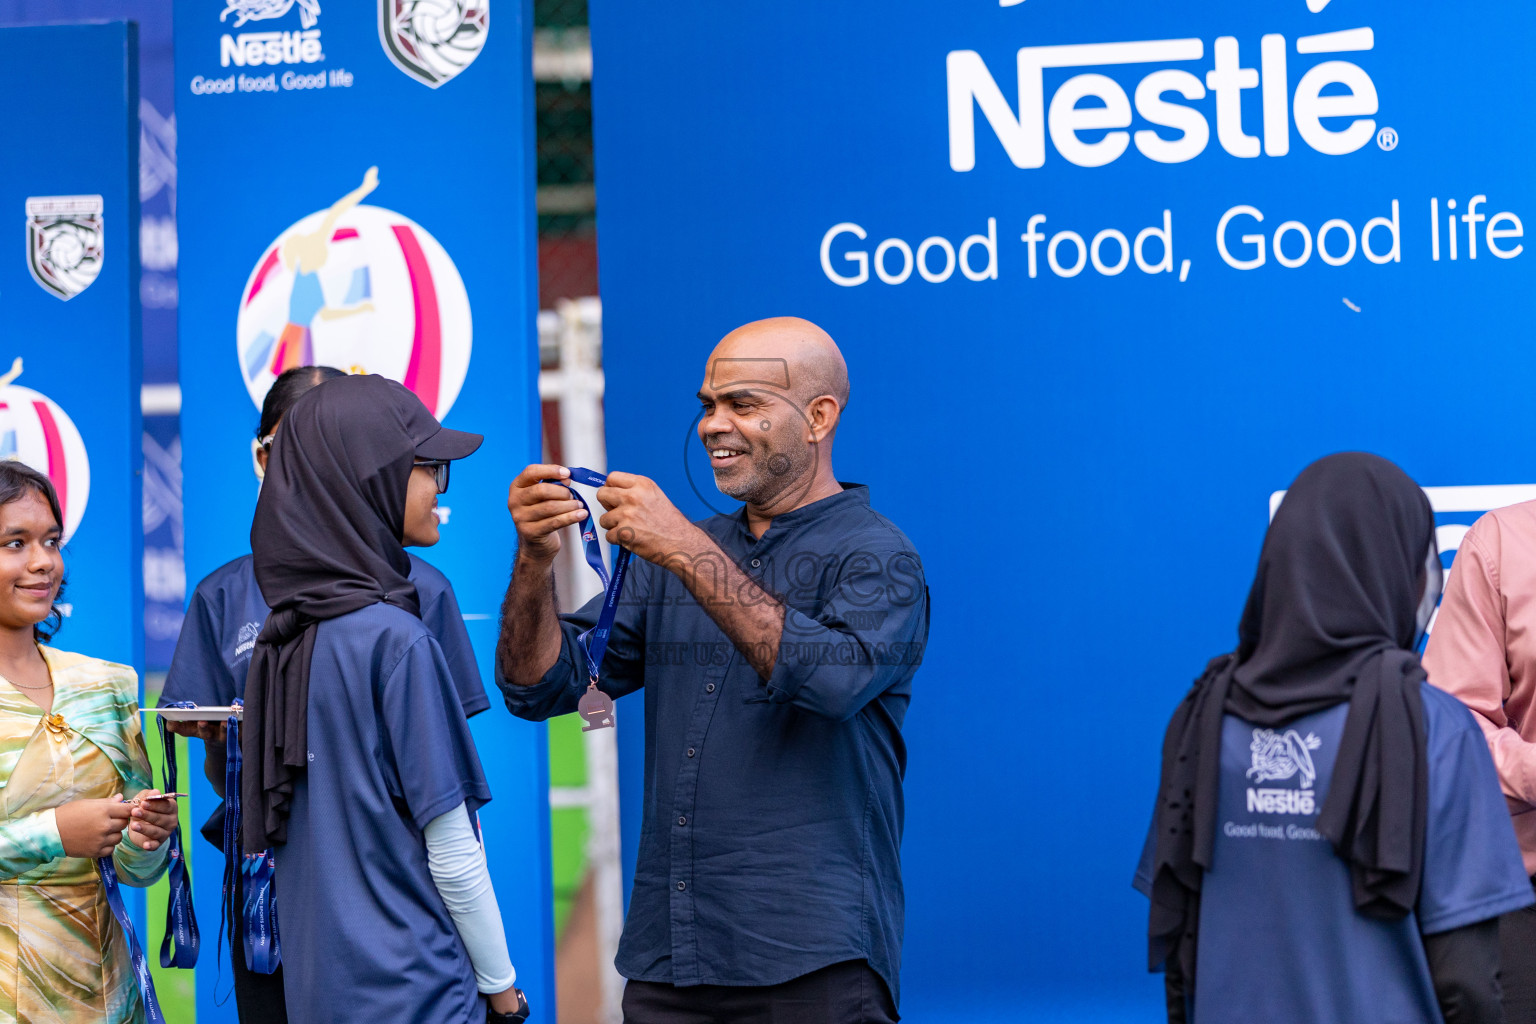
x=643 y=519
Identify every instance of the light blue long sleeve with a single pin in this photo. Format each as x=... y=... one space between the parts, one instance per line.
x=456 y=861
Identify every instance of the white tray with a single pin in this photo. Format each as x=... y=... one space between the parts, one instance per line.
x=196 y=714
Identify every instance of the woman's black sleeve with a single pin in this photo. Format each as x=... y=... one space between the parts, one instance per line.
x=1464 y=966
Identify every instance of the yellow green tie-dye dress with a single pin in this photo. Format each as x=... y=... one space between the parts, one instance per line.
x=63 y=958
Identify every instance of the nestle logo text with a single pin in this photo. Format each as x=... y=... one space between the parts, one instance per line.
x=1092 y=135
x=1281 y=801
x=253 y=49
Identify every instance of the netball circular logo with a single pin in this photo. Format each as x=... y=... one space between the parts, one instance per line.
x=36 y=432
x=363 y=289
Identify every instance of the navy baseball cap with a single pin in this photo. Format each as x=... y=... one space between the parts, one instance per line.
x=431 y=438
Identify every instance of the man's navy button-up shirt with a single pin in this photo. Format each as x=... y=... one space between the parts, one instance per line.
x=773 y=808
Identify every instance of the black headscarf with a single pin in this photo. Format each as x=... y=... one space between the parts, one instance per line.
x=326 y=541
x=1333 y=616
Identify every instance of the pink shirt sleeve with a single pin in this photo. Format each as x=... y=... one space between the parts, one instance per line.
x=1467 y=656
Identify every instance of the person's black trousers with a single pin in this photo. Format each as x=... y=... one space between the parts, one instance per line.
x=1517 y=965
x=846 y=993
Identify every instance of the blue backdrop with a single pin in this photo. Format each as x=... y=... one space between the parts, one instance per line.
x=73 y=412
x=1080 y=439
x=282 y=110
x=164 y=578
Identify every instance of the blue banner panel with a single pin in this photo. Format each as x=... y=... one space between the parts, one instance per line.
x=1107 y=275
x=164 y=580
x=356 y=190
x=69 y=394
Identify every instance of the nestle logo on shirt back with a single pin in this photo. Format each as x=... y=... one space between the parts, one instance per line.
x=1282 y=801
x=1278 y=756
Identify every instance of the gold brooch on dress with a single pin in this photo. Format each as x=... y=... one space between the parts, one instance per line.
x=55 y=724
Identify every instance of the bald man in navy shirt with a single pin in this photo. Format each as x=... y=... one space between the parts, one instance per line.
x=776 y=648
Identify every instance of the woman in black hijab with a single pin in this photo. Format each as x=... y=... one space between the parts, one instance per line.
x=1326 y=844
x=360 y=777
x=213 y=655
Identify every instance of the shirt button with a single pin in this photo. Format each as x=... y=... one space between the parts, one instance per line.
x=709 y=687
x=681 y=886
x=691 y=751
x=683 y=820
x=757 y=563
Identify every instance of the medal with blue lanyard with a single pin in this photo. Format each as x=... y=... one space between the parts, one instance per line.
x=180 y=945
x=251 y=873
x=595 y=706
x=181 y=940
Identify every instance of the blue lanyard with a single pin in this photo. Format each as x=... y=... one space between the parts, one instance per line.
x=251 y=874
x=263 y=949
x=231 y=828
x=595 y=706
x=136 y=956
x=180 y=919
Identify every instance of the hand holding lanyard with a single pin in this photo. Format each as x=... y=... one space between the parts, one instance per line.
x=595 y=706
x=180 y=922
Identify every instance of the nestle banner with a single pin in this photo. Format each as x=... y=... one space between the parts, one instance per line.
x=356 y=191
x=1107 y=275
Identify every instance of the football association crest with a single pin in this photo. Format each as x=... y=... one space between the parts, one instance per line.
x=363 y=289
x=64 y=242
x=433 y=40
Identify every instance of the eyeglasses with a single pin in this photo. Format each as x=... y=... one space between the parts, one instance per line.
x=439 y=468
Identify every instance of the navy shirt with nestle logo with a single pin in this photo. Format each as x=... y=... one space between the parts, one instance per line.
x=773 y=807
x=1279 y=938
x=218 y=635
x=213 y=652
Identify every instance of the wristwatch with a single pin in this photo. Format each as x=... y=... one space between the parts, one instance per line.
x=518 y=1016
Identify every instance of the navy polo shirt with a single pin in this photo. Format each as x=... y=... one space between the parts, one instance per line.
x=225 y=614
x=773 y=807
x=1279 y=938
x=365 y=934
x=213 y=652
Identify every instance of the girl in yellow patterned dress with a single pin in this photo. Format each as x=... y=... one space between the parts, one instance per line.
x=71 y=749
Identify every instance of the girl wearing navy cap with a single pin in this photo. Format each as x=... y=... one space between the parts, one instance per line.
x=360 y=774
x=213 y=653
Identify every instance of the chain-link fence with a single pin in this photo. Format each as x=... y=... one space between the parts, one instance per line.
x=567 y=198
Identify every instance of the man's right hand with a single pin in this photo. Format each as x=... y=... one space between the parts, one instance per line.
x=91 y=828
x=540 y=510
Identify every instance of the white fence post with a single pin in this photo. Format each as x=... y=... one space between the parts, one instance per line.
x=578 y=387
